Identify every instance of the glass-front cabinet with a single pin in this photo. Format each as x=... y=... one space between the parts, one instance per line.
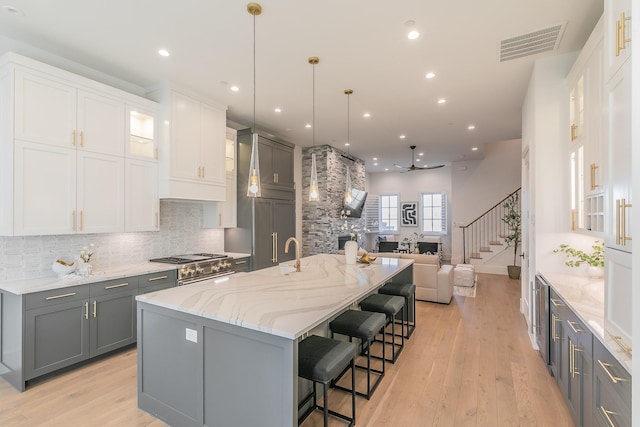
x=141 y=142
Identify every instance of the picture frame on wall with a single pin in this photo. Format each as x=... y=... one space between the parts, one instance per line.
x=409 y=214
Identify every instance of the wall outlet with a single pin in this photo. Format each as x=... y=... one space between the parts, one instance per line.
x=191 y=335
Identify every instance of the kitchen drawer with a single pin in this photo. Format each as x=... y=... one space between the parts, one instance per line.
x=114 y=286
x=56 y=296
x=609 y=409
x=582 y=334
x=241 y=264
x=610 y=371
x=164 y=278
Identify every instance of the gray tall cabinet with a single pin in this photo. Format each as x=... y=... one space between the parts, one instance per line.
x=264 y=223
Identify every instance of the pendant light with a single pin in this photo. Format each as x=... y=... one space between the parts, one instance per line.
x=253 y=186
x=314 y=194
x=348 y=198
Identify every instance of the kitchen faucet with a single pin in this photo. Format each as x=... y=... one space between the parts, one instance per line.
x=286 y=251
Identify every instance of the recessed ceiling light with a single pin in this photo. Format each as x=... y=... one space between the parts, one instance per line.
x=375 y=164
x=366 y=115
x=413 y=34
x=375 y=159
x=471 y=127
x=441 y=101
x=277 y=110
x=430 y=75
x=346 y=144
x=307 y=125
x=474 y=148
x=235 y=88
x=403 y=136
x=386 y=169
x=420 y=154
x=163 y=52
x=417 y=160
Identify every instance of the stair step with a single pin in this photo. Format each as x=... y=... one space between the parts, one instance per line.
x=485 y=249
x=495 y=242
x=475 y=256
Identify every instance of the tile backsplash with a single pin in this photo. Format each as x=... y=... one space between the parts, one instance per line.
x=180 y=232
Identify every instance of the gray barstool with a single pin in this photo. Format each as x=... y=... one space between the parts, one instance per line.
x=408 y=292
x=364 y=325
x=321 y=360
x=390 y=305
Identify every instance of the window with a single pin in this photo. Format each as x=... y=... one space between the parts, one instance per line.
x=389 y=212
x=434 y=213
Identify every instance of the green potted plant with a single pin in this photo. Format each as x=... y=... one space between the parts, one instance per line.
x=594 y=260
x=511 y=218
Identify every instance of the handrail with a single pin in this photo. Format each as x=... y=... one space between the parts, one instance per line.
x=491 y=208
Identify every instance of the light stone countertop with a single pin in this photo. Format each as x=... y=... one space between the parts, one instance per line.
x=585 y=297
x=286 y=305
x=27 y=286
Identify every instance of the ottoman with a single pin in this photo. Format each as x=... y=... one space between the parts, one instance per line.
x=464 y=275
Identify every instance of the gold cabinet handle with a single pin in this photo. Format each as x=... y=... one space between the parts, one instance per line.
x=60 y=296
x=81 y=138
x=621 y=344
x=121 y=285
x=273 y=247
x=574 y=127
x=618 y=206
x=240 y=262
x=81 y=221
x=556 y=303
x=95 y=308
x=575 y=326
x=86 y=310
x=594 y=167
x=156 y=154
x=621 y=29
x=554 y=335
x=73 y=218
x=571 y=358
x=605 y=366
x=73 y=137
x=574 y=214
x=276 y=249
x=153 y=279
x=607 y=415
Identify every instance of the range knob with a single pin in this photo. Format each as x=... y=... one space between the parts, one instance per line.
x=215 y=267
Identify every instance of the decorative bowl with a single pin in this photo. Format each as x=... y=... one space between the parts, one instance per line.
x=62 y=268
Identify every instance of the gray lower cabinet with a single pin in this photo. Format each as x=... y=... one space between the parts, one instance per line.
x=65 y=326
x=56 y=330
x=558 y=360
x=612 y=390
x=274 y=224
x=580 y=370
x=241 y=265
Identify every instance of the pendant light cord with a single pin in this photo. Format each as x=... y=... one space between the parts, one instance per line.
x=348 y=123
x=313 y=112
x=254 y=73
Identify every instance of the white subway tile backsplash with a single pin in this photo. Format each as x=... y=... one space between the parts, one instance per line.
x=180 y=232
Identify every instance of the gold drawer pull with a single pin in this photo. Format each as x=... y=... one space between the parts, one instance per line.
x=575 y=326
x=95 y=309
x=116 y=286
x=556 y=302
x=607 y=414
x=621 y=344
x=241 y=262
x=153 y=279
x=60 y=296
x=612 y=377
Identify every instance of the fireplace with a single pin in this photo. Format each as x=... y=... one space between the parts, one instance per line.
x=342 y=240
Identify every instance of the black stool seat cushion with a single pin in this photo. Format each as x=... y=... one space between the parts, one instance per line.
x=401 y=289
x=322 y=359
x=360 y=324
x=387 y=304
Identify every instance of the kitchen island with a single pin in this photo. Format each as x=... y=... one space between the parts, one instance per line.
x=224 y=352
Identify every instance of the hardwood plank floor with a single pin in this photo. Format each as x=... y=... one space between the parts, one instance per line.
x=469 y=363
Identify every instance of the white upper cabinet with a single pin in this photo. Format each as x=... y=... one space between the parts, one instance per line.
x=63 y=142
x=617 y=35
x=192 y=147
x=49 y=111
x=142 y=206
x=225 y=214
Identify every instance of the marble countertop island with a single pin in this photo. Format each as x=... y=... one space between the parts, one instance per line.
x=585 y=297
x=278 y=301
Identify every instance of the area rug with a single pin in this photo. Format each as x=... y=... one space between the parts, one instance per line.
x=465 y=291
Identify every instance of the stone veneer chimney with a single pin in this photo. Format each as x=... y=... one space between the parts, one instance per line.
x=321 y=222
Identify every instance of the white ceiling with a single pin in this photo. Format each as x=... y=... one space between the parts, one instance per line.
x=361 y=45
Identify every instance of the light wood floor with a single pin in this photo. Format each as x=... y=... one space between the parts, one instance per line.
x=469 y=363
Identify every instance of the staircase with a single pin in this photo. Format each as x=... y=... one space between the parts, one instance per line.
x=483 y=240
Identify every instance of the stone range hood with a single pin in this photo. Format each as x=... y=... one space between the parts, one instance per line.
x=321 y=222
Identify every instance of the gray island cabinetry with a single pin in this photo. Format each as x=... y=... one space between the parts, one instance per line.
x=223 y=352
x=44 y=331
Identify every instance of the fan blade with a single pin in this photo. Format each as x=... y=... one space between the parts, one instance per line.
x=398 y=166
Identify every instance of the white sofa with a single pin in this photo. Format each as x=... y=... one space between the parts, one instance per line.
x=433 y=282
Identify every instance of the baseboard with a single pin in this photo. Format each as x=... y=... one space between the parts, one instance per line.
x=491 y=269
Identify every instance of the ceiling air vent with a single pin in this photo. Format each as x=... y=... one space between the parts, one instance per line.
x=532 y=43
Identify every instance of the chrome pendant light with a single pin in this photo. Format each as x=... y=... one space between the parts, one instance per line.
x=253 y=186
x=314 y=193
x=348 y=198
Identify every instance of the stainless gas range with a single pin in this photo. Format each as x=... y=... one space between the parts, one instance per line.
x=197 y=267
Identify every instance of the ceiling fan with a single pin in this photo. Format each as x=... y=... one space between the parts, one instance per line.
x=413 y=167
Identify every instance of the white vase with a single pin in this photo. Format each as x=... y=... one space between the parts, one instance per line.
x=595 y=272
x=350 y=251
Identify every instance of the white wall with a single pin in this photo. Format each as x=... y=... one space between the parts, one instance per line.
x=409 y=186
x=479 y=184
